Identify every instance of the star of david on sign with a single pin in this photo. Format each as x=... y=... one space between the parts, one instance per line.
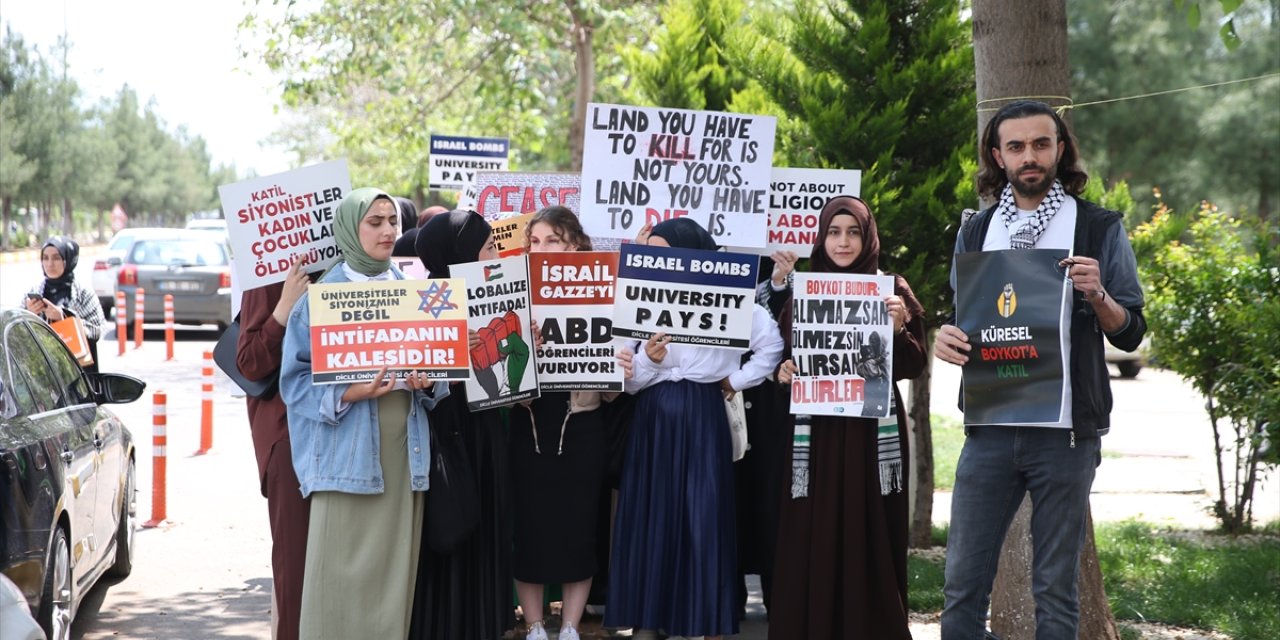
x=435 y=300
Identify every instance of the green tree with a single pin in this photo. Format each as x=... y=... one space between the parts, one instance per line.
x=886 y=87
x=1213 y=300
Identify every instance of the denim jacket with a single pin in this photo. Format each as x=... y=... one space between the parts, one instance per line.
x=336 y=449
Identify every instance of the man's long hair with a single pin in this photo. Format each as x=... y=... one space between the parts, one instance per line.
x=992 y=179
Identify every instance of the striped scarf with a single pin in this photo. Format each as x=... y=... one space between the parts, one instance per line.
x=1028 y=235
x=888 y=450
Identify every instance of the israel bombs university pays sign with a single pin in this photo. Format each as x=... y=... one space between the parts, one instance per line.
x=573 y=306
x=1011 y=305
x=648 y=164
x=357 y=328
x=454 y=160
x=504 y=369
x=276 y=220
x=695 y=297
x=842 y=345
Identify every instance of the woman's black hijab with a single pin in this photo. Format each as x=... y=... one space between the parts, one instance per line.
x=684 y=233
x=58 y=290
x=451 y=238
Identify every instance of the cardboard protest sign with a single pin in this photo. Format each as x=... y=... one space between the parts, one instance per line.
x=503 y=194
x=796 y=197
x=508 y=234
x=455 y=160
x=842 y=345
x=504 y=367
x=695 y=297
x=406 y=325
x=573 y=306
x=274 y=220
x=1010 y=303
x=411 y=267
x=648 y=164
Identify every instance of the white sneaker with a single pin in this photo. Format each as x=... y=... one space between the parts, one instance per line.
x=536 y=632
x=567 y=632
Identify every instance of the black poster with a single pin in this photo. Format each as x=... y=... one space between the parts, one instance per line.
x=1009 y=303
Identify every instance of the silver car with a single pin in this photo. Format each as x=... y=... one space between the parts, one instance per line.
x=192 y=266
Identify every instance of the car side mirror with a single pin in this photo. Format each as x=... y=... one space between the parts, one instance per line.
x=114 y=261
x=117 y=388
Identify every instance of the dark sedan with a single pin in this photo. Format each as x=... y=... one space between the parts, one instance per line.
x=68 y=504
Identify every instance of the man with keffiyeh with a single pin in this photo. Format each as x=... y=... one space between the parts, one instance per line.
x=1029 y=162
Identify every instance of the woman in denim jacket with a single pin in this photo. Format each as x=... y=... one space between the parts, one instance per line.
x=361 y=454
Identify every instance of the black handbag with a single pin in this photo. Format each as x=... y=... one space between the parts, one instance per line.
x=453 y=499
x=224 y=355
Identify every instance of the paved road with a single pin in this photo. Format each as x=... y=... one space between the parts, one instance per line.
x=205 y=572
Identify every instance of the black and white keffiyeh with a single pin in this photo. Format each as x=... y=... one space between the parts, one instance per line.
x=1029 y=234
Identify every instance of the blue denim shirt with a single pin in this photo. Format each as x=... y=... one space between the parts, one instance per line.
x=336 y=449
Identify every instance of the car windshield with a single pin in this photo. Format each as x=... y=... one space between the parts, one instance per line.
x=186 y=252
x=121 y=241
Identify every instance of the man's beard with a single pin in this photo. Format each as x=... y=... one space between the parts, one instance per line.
x=1033 y=189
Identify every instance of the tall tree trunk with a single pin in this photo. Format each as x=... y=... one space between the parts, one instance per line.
x=583 y=35
x=1020 y=51
x=68 y=219
x=101 y=235
x=922 y=455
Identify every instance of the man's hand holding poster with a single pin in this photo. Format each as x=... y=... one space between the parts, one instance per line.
x=1010 y=305
x=573 y=306
x=504 y=370
x=645 y=164
x=695 y=297
x=276 y=220
x=842 y=345
x=357 y=328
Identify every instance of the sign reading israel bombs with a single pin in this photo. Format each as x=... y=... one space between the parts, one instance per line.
x=695 y=297
x=357 y=328
x=644 y=165
x=454 y=160
x=842 y=345
x=1010 y=304
x=275 y=220
x=503 y=366
x=573 y=306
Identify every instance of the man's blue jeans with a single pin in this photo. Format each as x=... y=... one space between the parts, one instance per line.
x=997 y=466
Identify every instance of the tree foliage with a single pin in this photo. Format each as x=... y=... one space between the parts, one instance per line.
x=383 y=75
x=1214 y=311
x=1221 y=143
x=63 y=164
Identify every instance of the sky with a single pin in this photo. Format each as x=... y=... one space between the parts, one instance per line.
x=182 y=54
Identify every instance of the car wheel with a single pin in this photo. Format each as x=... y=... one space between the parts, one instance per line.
x=128 y=525
x=56 y=604
x=1129 y=369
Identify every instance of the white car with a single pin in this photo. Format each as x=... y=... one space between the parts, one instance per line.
x=1129 y=363
x=106 y=266
x=209 y=224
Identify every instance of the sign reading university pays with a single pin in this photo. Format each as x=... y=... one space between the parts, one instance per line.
x=842 y=345
x=455 y=160
x=405 y=325
x=695 y=297
x=573 y=306
x=1009 y=303
x=275 y=220
x=648 y=164
x=504 y=370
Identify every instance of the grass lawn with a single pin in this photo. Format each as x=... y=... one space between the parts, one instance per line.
x=1193 y=579
x=948 y=439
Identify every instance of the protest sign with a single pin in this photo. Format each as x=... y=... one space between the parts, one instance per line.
x=508 y=235
x=1010 y=304
x=406 y=325
x=796 y=197
x=573 y=306
x=695 y=297
x=274 y=220
x=644 y=164
x=503 y=194
x=842 y=345
x=455 y=160
x=411 y=267
x=504 y=367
